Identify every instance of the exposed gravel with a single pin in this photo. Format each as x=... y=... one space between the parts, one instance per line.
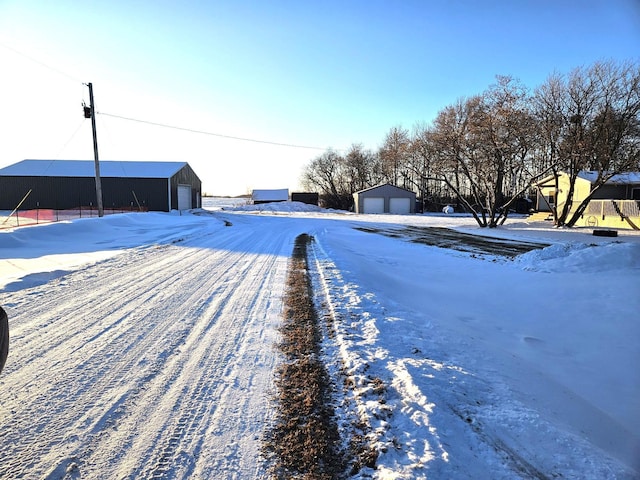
x=452 y=239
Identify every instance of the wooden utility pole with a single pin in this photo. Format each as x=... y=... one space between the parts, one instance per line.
x=92 y=112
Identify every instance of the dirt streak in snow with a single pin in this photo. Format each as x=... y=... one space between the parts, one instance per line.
x=137 y=367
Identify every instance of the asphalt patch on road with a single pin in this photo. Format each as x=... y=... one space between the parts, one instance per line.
x=454 y=240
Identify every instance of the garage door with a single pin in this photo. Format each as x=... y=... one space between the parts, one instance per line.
x=400 y=206
x=374 y=205
x=184 y=197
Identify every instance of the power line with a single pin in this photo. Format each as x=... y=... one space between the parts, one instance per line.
x=231 y=137
x=60 y=72
x=70 y=138
x=174 y=127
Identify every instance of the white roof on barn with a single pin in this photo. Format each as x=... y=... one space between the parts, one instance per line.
x=86 y=168
x=270 y=195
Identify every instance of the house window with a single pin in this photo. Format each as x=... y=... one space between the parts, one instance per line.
x=551 y=199
x=635 y=193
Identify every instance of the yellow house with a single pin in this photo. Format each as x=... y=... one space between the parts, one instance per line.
x=615 y=205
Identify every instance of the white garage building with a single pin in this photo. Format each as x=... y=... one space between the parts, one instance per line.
x=385 y=198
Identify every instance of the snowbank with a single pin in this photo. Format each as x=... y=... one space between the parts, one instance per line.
x=277 y=207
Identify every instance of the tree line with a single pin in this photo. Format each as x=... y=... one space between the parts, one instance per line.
x=486 y=151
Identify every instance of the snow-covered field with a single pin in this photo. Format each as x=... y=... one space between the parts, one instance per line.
x=142 y=345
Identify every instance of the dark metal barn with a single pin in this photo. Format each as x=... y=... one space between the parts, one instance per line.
x=64 y=184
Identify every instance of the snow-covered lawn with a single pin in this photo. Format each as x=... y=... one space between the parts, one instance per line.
x=143 y=345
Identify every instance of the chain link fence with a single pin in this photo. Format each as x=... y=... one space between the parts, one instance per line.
x=20 y=218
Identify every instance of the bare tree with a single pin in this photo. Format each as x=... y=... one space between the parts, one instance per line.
x=362 y=168
x=454 y=161
x=337 y=177
x=485 y=144
x=547 y=104
x=608 y=132
x=549 y=109
x=393 y=156
x=325 y=174
x=420 y=154
x=423 y=160
x=592 y=125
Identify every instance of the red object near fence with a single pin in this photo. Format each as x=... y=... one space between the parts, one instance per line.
x=46 y=215
x=39 y=215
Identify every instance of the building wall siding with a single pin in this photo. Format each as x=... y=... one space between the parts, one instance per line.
x=46 y=192
x=613 y=191
x=151 y=193
x=73 y=192
x=186 y=176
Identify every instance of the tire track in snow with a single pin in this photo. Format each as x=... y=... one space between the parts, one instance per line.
x=197 y=403
x=65 y=338
x=95 y=297
x=142 y=363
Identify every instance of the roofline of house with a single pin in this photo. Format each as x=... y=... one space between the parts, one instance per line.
x=583 y=176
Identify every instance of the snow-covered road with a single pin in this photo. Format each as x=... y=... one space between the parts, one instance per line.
x=154 y=360
x=144 y=346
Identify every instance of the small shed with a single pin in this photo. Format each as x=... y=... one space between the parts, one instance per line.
x=65 y=184
x=267 y=196
x=385 y=198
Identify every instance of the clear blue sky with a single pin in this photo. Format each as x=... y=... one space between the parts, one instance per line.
x=318 y=74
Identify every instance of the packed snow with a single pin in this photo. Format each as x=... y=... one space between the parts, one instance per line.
x=143 y=345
